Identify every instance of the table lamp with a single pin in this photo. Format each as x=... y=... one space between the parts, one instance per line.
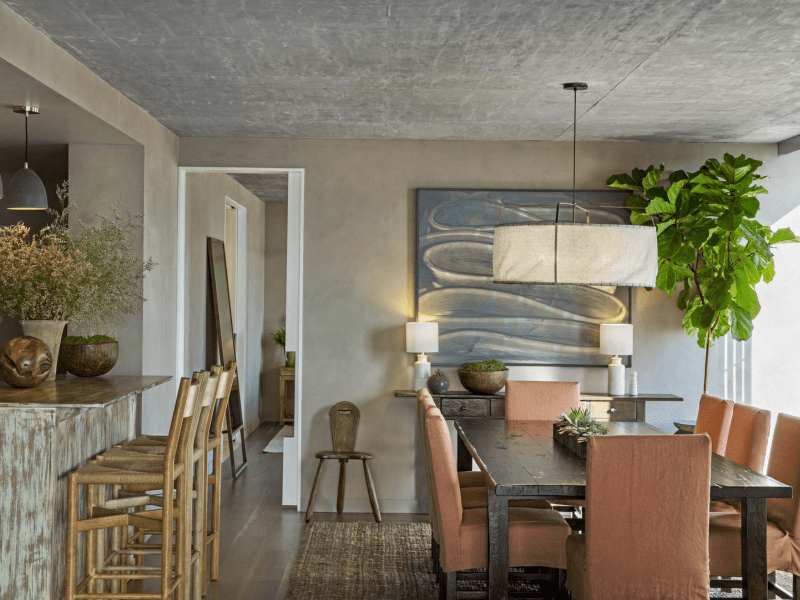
x=422 y=338
x=616 y=340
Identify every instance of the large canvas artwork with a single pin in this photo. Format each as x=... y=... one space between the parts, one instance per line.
x=518 y=324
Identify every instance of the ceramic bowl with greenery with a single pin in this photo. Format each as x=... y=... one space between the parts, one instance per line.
x=487 y=377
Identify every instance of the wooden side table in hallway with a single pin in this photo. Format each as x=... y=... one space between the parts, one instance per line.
x=287 y=374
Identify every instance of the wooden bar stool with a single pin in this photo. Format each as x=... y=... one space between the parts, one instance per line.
x=211 y=420
x=172 y=472
x=344 y=428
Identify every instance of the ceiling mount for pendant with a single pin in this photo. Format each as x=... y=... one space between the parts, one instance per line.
x=576 y=87
x=26 y=190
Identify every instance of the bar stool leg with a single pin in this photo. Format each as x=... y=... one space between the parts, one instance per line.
x=72 y=535
x=216 y=499
x=373 y=500
x=314 y=490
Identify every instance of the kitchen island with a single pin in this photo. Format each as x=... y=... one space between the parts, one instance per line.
x=46 y=432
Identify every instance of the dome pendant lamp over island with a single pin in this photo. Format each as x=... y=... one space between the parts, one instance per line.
x=571 y=253
x=26 y=190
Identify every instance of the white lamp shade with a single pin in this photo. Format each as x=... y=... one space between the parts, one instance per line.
x=576 y=254
x=422 y=337
x=616 y=340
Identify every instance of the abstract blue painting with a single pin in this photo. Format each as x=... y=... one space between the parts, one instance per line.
x=518 y=324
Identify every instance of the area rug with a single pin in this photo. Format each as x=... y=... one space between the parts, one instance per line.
x=389 y=561
x=275 y=445
x=346 y=561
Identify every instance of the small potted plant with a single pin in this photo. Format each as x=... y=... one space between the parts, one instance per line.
x=109 y=247
x=487 y=377
x=438 y=383
x=279 y=337
x=573 y=429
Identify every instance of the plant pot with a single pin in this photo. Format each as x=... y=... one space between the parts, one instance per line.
x=483 y=382
x=290 y=358
x=438 y=384
x=50 y=333
x=90 y=360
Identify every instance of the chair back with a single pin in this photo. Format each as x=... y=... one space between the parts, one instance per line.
x=344 y=426
x=206 y=406
x=424 y=404
x=449 y=510
x=224 y=387
x=714 y=418
x=749 y=436
x=540 y=400
x=218 y=392
x=184 y=419
x=649 y=495
x=784 y=465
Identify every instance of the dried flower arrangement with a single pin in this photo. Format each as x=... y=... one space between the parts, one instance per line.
x=580 y=424
x=44 y=276
x=92 y=278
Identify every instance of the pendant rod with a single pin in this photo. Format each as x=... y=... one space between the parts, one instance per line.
x=574 y=146
x=26 y=138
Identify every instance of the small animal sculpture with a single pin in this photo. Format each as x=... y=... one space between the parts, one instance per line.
x=25 y=362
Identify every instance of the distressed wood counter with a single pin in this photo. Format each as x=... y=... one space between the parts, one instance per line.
x=45 y=433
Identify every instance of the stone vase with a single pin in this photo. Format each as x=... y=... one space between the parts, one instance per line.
x=50 y=333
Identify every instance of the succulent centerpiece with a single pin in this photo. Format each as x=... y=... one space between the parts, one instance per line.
x=573 y=429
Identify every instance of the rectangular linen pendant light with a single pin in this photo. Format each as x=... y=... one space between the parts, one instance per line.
x=575 y=253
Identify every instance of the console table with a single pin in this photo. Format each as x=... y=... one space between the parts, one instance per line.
x=460 y=405
x=46 y=432
x=287 y=374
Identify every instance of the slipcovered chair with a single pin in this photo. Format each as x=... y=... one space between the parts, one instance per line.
x=747 y=444
x=474 y=492
x=540 y=400
x=714 y=418
x=536 y=537
x=646 y=535
x=783 y=514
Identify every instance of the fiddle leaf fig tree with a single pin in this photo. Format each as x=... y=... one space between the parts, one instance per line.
x=709 y=241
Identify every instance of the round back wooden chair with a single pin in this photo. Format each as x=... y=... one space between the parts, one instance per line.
x=344 y=418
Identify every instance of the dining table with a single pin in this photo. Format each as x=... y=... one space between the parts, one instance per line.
x=520 y=459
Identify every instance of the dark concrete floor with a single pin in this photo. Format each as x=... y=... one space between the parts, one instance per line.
x=260 y=538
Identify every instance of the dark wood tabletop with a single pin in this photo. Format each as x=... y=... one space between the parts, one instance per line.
x=521 y=458
x=78 y=392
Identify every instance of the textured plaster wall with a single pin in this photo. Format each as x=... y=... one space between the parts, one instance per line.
x=359 y=280
x=99 y=175
x=205 y=217
x=31 y=51
x=274 y=305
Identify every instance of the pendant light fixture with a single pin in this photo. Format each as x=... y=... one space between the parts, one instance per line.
x=26 y=190
x=573 y=253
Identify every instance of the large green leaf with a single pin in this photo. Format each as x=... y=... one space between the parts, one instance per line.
x=666 y=278
x=750 y=206
x=624 y=180
x=746 y=296
x=669 y=242
x=659 y=206
x=685 y=255
x=783 y=235
x=741 y=322
x=729 y=221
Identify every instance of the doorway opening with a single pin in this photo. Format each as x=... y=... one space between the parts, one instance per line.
x=235 y=219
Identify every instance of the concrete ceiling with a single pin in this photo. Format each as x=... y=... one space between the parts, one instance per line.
x=270 y=188
x=60 y=122
x=658 y=70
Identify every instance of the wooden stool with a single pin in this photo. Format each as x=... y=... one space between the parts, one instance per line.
x=171 y=473
x=344 y=427
x=212 y=421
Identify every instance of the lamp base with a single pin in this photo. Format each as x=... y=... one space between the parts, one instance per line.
x=422 y=371
x=616 y=377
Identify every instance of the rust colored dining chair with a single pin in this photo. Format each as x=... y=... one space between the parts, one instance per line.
x=783 y=515
x=540 y=400
x=714 y=418
x=344 y=418
x=474 y=491
x=172 y=521
x=536 y=537
x=638 y=488
x=747 y=444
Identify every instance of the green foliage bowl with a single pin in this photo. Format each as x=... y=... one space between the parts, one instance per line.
x=483 y=382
